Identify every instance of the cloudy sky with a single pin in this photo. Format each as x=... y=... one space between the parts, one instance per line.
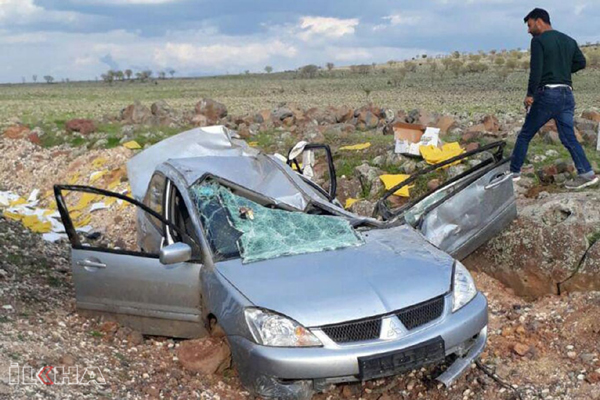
x=80 y=39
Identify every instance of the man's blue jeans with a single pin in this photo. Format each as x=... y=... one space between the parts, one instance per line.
x=558 y=104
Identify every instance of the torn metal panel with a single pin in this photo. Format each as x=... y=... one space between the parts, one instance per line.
x=260 y=233
x=258 y=174
x=471 y=216
x=199 y=142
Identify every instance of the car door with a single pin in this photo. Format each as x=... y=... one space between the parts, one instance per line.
x=469 y=209
x=127 y=284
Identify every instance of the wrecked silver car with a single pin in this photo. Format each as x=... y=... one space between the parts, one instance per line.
x=307 y=293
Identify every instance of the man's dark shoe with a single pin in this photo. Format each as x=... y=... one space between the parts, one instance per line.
x=581 y=182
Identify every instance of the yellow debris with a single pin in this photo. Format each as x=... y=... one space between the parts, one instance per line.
x=99 y=162
x=17 y=202
x=110 y=201
x=132 y=145
x=360 y=146
x=97 y=175
x=13 y=216
x=349 y=202
x=81 y=222
x=33 y=223
x=253 y=144
x=435 y=155
x=114 y=184
x=390 y=181
x=85 y=201
x=296 y=168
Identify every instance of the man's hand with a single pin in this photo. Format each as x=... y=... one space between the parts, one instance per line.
x=528 y=101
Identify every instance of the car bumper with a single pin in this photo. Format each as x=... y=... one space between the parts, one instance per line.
x=463 y=332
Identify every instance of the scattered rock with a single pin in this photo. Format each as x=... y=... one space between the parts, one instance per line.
x=206 y=356
x=521 y=349
x=17 y=132
x=591 y=115
x=212 y=110
x=446 y=123
x=136 y=114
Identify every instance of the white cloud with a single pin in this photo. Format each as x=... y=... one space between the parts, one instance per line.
x=403 y=19
x=23 y=12
x=326 y=27
x=189 y=55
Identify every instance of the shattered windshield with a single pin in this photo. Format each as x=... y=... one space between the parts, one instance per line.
x=238 y=227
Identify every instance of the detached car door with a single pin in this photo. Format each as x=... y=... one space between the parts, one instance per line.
x=469 y=209
x=113 y=277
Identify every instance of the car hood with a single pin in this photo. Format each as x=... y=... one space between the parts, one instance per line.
x=395 y=268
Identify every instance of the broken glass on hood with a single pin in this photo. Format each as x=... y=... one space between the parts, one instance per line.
x=237 y=226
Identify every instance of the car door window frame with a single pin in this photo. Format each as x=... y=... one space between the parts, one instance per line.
x=331 y=168
x=171 y=191
x=474 y=173
x=72 y=233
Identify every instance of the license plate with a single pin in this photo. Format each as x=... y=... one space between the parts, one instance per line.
x=400 y=361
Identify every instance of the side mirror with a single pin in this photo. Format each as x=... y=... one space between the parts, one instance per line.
x=175 y=253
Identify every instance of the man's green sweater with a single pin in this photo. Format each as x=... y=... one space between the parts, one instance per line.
x=554 y=57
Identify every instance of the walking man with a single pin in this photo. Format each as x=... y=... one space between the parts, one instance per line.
x=554 y=57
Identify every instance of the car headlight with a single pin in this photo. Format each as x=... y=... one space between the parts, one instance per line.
x=464 y=287
x=272 y=329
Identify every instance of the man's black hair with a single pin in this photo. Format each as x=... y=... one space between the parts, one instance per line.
x=538 y=13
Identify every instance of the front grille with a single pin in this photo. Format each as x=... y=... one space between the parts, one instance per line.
x=354 y=331
x=420 y=314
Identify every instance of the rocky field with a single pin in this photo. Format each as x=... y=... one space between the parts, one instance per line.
x=544 y=293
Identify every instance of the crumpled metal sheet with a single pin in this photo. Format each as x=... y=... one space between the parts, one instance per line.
x=199 y=142
x=473 y=215
x=259 y=174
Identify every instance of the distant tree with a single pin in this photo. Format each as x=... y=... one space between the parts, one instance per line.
x=308 y=71
x=499 y=61
x=34 y=77
x=475 y=57
x=391 y=63
x=108 y=77
x=162 y=75
x=456 y=54
x=128 y=73
x=493 y=52
x=268 y=69
x=23 y=80
x=329 y=66
x=49 y=78
x=119 y=75
x=247 y=72
x=171 y=72
x=143 y=76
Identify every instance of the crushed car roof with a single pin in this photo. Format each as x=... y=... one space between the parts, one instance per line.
x=213 y=141
x=213 y=150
